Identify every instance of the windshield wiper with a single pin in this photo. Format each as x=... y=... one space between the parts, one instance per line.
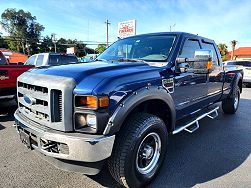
x=130 y=60
x=100 y=60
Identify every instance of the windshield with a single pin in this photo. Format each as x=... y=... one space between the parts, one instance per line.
x=62 y=59
x=2 y=60
x=145 y=48
x=240 y=63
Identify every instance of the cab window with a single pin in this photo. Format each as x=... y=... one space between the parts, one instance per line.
x=189 y=48
x=40 y=59
x=31 y=60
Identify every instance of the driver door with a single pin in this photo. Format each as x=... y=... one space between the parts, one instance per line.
x=190 y=88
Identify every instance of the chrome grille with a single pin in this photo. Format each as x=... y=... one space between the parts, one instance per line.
x=40 y=110
x=46 y=99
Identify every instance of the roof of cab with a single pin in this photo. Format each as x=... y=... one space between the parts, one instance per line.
x=182 y=34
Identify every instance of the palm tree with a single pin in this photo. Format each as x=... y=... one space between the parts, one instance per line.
x=233 y=44
x=223 y=51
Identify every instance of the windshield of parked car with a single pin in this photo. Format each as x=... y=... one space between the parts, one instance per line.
x=31 y=60
x=62 y=59
x=240 y=63
x=151 y=48
x=2 y=60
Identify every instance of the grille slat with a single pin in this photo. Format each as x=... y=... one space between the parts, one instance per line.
x=34 y=94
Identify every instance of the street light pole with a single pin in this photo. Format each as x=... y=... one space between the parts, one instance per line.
x=53 y=38
x=107 y=24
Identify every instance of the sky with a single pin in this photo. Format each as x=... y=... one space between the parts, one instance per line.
x=220 y=20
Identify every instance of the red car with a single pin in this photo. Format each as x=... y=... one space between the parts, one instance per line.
x=8 y=77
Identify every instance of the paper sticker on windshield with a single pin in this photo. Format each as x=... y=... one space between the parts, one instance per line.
x=168 y=84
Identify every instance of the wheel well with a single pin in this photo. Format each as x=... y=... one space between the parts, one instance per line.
x=240 y=85
x=155 y=107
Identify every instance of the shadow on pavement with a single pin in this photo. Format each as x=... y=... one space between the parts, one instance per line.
x=217 y=148
x=7 y=117
x=2 y=127
x=105 y=179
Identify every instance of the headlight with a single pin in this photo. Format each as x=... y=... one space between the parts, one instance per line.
x=91 y=120
x=86 y=122
x=91 y=102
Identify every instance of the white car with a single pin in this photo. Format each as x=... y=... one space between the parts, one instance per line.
x=246 y=66
x=48 y=59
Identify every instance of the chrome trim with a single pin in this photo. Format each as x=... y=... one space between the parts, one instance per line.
x=7 y=97
x=82 y=147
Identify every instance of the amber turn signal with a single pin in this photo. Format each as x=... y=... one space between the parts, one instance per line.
x=103 y=102
x=86 y=101
x=92 y=102
x=209 y=65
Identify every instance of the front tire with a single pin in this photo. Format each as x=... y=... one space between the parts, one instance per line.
x=231 y=103
x=139 y=150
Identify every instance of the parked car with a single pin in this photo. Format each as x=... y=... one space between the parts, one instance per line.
x=246 y=66
x=8 y=77
x=123 y=107
x=48 y=59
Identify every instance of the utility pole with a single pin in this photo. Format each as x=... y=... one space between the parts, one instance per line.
x=107 y=24
x=53 y=38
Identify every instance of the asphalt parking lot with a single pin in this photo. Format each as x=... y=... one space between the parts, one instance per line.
x=216 y=155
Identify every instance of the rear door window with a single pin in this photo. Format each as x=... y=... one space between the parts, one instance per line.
x=40 y=59
x=62 y=59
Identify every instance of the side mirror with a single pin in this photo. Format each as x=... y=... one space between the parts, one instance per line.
x=200 y=64
x=203 y=61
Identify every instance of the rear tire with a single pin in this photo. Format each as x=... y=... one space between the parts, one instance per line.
x=231 y=103
x=139 y=150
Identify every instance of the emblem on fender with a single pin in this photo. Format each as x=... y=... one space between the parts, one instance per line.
x=29 y=100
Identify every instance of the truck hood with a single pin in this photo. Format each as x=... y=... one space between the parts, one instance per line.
x=88 y=75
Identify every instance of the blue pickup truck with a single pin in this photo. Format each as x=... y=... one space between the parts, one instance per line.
x=120 y=109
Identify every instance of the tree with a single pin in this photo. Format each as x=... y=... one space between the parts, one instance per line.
x=3 y=43
x=100 y=48
x=233 y=44
x=46 y=45
x=223 y=51
x=22 y=28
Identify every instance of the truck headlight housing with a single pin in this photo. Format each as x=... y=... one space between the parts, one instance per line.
x=91 y=102
x=86 y=122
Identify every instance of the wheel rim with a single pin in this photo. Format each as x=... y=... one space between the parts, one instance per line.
x=148 y=153
x=236 y=101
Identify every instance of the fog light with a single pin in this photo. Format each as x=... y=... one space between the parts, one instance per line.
x=91 y=120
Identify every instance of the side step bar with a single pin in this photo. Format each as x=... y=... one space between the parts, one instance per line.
x=189 y=128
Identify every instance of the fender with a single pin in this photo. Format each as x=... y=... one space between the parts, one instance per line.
x=237 y=78
x=144 y=94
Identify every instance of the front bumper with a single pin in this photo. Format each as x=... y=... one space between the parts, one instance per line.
x=247 y=80
x=75 y=147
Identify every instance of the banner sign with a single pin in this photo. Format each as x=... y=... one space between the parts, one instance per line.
x=126 y=28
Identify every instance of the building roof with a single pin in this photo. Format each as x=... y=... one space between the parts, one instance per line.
x=14 y=57
x=242 y=51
